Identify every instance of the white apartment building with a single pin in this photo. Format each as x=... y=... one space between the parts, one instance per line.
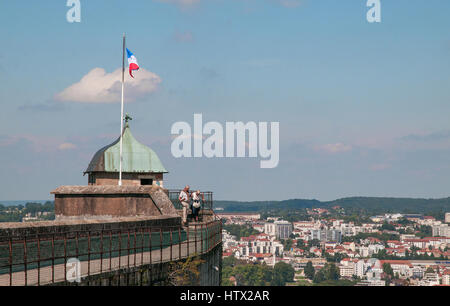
x=430 y=279
x=375 y=248
x=327 y=235
x=270 y=228
x=442 y=230
x=360 y=268
x=280 y=229
x=283 y=229
x=446 y=278
x=346 y=271
x=259 y=245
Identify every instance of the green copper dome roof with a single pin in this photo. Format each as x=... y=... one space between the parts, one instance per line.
x=136 y=157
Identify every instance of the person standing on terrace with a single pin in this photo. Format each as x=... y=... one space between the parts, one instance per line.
x=196 y=205
x=184 y=200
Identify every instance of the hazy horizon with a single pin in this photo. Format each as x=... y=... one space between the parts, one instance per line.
x=18 y=202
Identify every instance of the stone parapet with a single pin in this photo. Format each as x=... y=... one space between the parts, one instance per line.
x=111 y=201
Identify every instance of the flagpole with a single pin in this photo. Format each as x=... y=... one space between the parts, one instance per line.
x=121 y=111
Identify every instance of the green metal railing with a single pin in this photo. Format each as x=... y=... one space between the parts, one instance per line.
x=23 y=260
x=206 y=204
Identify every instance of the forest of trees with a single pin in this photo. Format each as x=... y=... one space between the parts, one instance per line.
x=242 y=273
x=327 y=276
x=354 y=206
x=240 y=230
x=16 y=213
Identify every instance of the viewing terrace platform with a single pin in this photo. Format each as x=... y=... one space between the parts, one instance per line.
x=206 y=212
x=37 y=253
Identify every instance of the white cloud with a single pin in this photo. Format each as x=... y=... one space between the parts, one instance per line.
x=66 y=146
x=98 y=86
x=335 y=148
x=185 y=36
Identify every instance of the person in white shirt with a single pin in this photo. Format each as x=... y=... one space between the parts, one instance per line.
x=196 y=205
x=184 y=200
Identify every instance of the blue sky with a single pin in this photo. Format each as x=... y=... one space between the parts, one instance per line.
x=363 y=108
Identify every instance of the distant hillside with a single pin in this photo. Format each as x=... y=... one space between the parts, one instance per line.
x=16 y=203
x=404 y=205
x=236 y=206
x=368 y=204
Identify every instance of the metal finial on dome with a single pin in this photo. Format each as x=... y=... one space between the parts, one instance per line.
x=127 y=118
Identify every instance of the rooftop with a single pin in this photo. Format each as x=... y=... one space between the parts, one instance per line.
x=137 y=157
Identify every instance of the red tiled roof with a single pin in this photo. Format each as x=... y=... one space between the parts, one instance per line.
x=260 y=255
x=417 y=240
x=249 y=238
x=396 y=262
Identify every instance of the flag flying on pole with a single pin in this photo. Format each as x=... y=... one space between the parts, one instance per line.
x=132 y=62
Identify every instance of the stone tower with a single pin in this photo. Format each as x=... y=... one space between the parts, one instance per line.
x=141 y=194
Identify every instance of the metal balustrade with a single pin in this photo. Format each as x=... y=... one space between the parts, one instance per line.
x=207 y=204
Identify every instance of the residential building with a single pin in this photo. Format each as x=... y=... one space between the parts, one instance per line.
x=325 y=235
x=270 y=228
x=442 y=230
x=283 y=229
x=346 y=271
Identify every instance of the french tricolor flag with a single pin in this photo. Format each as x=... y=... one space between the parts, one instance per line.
x=132 y=62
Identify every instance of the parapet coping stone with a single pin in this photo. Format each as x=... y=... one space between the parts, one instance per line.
x=11 y=225
x=105 y=189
